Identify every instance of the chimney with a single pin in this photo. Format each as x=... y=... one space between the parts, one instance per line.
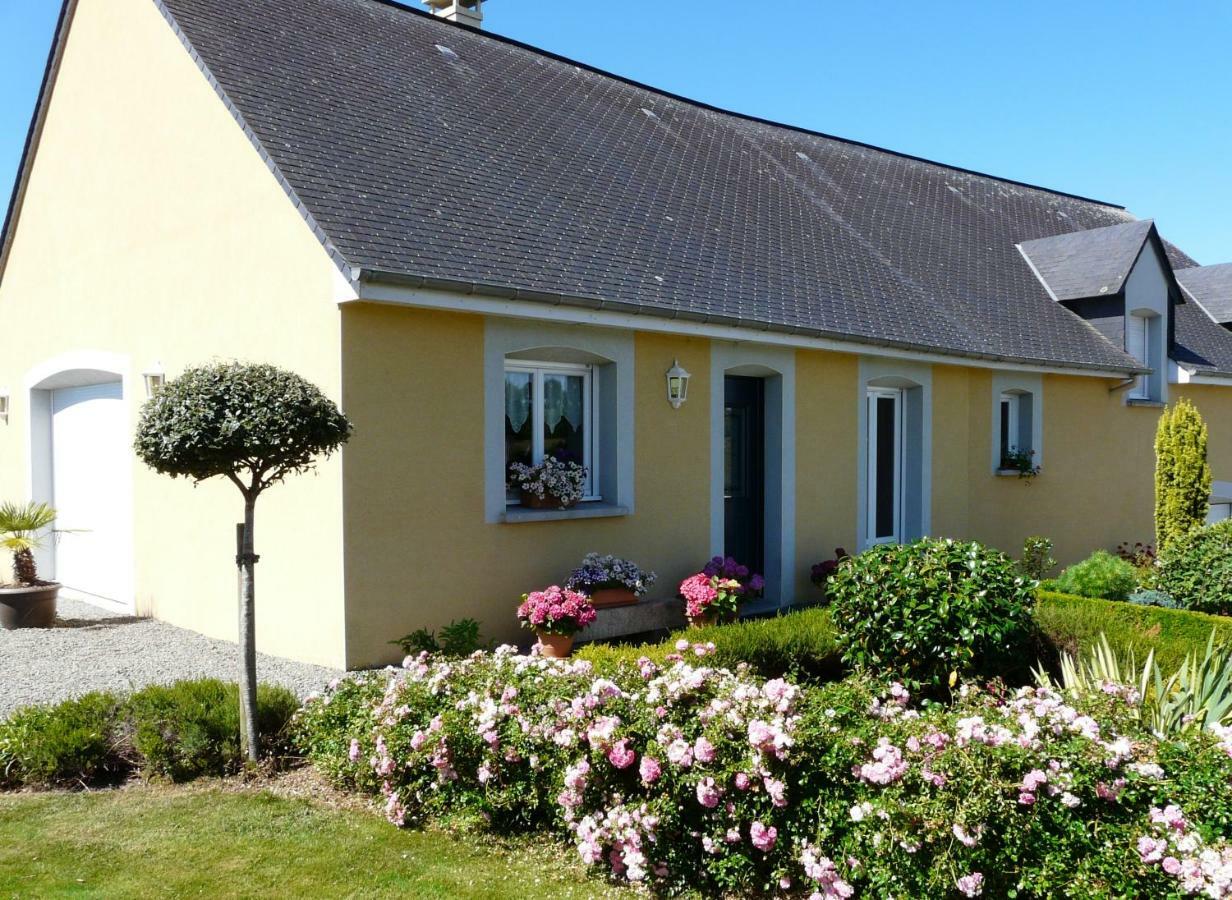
x=468 y=12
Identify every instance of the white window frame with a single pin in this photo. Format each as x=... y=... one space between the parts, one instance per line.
x=1143 y=387
x=871 y=537
x=590 y=402
x=1019 y=388
x=1009 y=401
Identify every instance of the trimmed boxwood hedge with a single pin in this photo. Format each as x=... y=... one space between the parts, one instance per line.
x=1072 y=623
x=801 y=644
x=804 y=644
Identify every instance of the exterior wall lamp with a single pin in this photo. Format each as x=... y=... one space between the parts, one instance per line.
x=677 y=385
x=4 y=406
x=154 y=378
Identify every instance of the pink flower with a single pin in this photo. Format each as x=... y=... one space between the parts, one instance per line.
x=556 y=610
x=703 y=750
x=708 y=793
x=1033 y=780
x=698 y=592
x=763 y=838
x=887 y=767
x=353 y=755
x=742 y=781
x=650 y=770
x=777 y=791
x=620 y=755
x=971 y=885
x=1151 y=849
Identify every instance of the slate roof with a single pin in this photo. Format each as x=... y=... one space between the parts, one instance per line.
x=1211 y=286
x=431 y=152
x=1092 y=263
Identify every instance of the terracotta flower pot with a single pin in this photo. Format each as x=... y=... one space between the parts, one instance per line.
x=711 y=618
x=547 y=501
x=28 y=607
x=606 y=598
x=555 y=646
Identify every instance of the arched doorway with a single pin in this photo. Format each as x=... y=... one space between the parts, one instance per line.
x=81 y=464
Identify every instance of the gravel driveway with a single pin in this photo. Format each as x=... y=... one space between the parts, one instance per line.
x=90 y=649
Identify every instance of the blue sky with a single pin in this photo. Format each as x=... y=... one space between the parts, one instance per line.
x=1126 y=101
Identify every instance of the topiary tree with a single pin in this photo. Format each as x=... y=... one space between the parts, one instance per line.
x=1182 y=475
x=251 y=424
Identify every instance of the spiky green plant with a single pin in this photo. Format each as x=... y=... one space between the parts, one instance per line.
x=21 y=526
x=1197 y=695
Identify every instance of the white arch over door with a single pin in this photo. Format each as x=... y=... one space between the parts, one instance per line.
x=777 y=367
x=80 y=427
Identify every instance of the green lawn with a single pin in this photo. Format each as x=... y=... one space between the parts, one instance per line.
x=174 y=842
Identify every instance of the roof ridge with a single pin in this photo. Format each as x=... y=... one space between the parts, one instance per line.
x=748 y=117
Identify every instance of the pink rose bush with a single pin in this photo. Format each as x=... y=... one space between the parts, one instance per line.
x=556 y=610
x=685 y=775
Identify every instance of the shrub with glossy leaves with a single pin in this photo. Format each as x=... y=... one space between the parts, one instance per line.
x=928 y=609
x=1196 y=569
x=1099 y=575
x=224 y=418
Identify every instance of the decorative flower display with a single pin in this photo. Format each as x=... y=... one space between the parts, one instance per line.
x=556 y=610
x=555 y=479
x=602 y=572
x=680 y=775
x=718 y=590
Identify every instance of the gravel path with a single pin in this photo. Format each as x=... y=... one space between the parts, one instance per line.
x=91 y=649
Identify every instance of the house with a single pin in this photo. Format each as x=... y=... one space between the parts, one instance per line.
x=442 y=227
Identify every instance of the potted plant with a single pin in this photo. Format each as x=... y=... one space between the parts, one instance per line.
x=821 y=572
x=29 y=602
x=555 y=615
x=555 y=483
x=609 y=580
x=1020 y=461
x=715 y=593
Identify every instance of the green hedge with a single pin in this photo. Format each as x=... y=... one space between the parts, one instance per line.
x=1073 y=623
x=179 y=731
x=801 y=643
x=804 y=643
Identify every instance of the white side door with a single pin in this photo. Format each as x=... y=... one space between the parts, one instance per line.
x=91 y=465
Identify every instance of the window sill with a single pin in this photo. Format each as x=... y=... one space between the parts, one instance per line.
x=593 y=510
x=1012 y=473
x=1149 y=404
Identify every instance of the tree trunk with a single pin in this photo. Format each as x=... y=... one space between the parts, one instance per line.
x=250 y=739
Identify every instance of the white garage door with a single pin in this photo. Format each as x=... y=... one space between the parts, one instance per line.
x=90 y=490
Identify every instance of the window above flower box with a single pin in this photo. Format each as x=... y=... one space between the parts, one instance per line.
x=563 y=394
x=1017 y=438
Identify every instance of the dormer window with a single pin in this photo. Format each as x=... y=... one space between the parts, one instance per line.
x=1143 y=336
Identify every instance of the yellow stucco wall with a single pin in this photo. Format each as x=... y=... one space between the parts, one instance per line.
x=418 y=551
x=827 y=407
x=152 y=229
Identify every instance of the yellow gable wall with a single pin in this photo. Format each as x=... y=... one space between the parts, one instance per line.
x=153 y=230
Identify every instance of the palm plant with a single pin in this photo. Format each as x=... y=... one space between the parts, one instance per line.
x=21 y=525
